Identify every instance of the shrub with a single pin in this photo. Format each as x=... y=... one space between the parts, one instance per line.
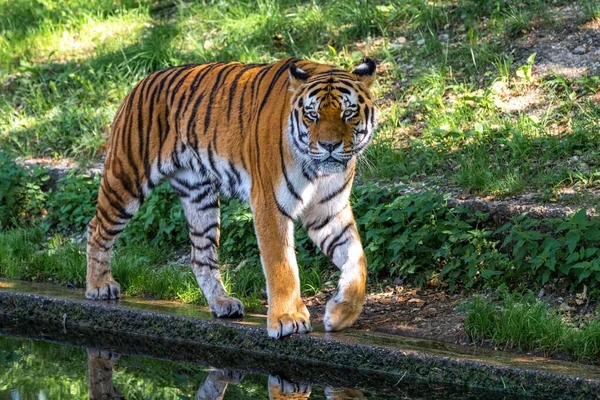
x=73 y=203
x=21 y=195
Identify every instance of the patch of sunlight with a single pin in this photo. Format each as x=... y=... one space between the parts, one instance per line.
x=89 y=38
x=594 y=24
x=510 y=102
x=6 y=285
x=18 y=121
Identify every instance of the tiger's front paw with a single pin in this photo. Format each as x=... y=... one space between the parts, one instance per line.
x=227 y=307
x=282 y=325
x=107 y=289
x=341 y=312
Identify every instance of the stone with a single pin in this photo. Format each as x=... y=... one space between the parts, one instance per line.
x=565 y=307
x=580 y=50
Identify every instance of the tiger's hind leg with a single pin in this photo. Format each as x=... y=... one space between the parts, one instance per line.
x=199 y=197
x=116 y=206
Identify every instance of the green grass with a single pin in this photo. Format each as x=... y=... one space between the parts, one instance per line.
x=141 y=269
x=523 y=322
x=65 y=66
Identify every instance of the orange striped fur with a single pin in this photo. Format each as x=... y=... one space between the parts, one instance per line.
x=282 y=136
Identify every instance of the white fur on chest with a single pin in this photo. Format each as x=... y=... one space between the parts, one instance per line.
x=296 y=193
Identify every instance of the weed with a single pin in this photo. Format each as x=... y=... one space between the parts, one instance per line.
x=524 y=322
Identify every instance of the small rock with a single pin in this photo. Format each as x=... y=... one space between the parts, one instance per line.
x=559 y=299
x=415 y=300
x=541 y=294
x=395 y=299
x=421 y=42
x=399 y=281
x=566 y=307
x=400 y=39
x=580 y=50
x=432 y=310
x=443 y=37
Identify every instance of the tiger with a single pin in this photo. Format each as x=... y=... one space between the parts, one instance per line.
x=283 y=137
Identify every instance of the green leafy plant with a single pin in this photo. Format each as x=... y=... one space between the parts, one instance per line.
x=73 y=203
x=21 y=194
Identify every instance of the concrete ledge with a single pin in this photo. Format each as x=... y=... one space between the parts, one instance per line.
x=158 y=325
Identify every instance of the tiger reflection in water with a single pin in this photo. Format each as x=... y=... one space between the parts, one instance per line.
x=101 y=364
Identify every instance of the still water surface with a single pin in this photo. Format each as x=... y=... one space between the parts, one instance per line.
x=31 y=369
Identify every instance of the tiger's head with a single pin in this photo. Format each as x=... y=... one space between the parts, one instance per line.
x=332 y=117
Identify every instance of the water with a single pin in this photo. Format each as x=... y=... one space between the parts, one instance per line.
x=35 y=369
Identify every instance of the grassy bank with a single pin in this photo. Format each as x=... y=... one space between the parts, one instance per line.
x=526 y=323
x=413 y=236
x=458 y=105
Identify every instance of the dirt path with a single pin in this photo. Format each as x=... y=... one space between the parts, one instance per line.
x=421 y=313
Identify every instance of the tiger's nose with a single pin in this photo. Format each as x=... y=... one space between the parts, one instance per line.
x=330 y=145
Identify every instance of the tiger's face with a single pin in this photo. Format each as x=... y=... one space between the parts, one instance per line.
x=332 y=116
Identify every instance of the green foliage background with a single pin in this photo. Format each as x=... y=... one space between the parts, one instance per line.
x=415 y=236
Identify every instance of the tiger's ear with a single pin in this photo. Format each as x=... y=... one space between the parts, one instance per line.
x=366 y=71
x=297 y=76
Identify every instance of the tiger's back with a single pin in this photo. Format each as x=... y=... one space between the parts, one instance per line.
x=228 y=128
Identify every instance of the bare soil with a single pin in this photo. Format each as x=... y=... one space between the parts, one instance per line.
x=422 y=313
x=570 y=46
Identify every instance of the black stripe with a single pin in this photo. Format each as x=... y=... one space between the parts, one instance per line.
x=95 y=242
x=215 y=88
x=280 y=208
x=212 y=204
x=198 y=197
x=211 y=161
x=205 y=264
x=112 y=232
x=335 y=246
x=331 y=72
x=191 y=126
x=106 y=239
x=337 y=191
x=107 y=189
x=203 y=248
x=178 y=85
x=196 y=82
x=156 y=75
x=97 y=260
x=106 y=217
x=310 y=175
x=313 y=225
x=288 y=183
x=205 y=230
x=265 y=72
x=235 y=172
x=127 y=134
x=125 y=180
x=182 y=194
x=233 y=87
x=335 y=239
x=342 y=89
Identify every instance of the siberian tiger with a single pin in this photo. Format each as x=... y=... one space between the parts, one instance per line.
x=282 y=136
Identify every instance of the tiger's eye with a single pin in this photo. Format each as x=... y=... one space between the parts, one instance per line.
x=348 y=113
x=313 y=114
